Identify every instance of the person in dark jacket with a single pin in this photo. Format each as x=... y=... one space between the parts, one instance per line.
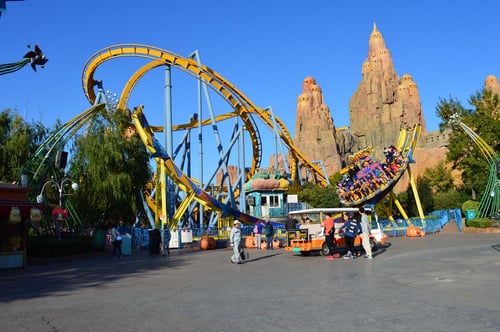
x=352 y=229
x=269 y=231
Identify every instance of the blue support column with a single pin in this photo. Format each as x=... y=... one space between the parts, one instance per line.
x=241 y=167
x=170 y=192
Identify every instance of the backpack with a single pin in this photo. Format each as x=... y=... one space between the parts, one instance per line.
x=269 y=229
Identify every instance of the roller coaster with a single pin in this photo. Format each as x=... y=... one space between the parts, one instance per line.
x=190 y=194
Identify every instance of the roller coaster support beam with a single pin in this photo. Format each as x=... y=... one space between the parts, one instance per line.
x=201 y=208
x=417 y=197
x=490 y=202
x=241 y=167
x=276 y=142
x=222 y=158
x=400 y=207
x=168 y=191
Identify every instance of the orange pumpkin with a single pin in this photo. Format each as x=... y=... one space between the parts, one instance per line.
x=207 y=242
x=250 y=242
x=276 y=243
x=414 y=231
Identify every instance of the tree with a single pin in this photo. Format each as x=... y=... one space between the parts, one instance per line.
x=319 y=197
x=409 y=202
x=111 y=168
x=463 y=152
x=445 y=195
x=450 y=199
x=439 y=178
x=18 y=142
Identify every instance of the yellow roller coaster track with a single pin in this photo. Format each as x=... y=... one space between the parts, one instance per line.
x=241 y=104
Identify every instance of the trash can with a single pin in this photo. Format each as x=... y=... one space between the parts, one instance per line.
x=154 y=241
x=126 y=245
x=99 y=240
x=470 y=214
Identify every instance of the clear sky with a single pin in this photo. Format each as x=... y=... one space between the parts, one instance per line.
x=263 y=47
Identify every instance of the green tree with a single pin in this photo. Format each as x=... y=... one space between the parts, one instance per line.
x=439 y=178
x=463 y=152
x=18 y=142
x=445 y=195
x=319 y=197
x=409 y=201
x=111 y=169
x=450 y=199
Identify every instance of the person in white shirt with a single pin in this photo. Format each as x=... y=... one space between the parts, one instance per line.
x=235 y=240
x=365 y=233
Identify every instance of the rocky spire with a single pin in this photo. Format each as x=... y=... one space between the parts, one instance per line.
x=382 y=103
x=314 y=128
x=491 y=83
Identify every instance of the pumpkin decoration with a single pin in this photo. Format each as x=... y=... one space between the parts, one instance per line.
x=207 y=242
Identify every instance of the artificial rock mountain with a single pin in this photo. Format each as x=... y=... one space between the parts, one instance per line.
x=382 y=103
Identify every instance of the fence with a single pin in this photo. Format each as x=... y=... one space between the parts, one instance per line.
x=140 y=236
x=432 y=223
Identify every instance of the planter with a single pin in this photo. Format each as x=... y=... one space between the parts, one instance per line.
x=470 y=214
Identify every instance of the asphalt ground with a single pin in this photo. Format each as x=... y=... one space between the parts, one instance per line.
x=441 y=282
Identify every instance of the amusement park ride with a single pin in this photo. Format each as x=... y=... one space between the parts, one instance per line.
x=175 y=194
x=34 y=57
x=489 y=206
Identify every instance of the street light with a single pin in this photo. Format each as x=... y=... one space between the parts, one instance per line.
x=59 y=213
x=60 y=188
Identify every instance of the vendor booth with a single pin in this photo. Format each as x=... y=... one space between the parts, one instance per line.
x=15 y=211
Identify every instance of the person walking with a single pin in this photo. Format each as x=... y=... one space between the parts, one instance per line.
x=269 y=235
x=165 y=240
x=257 y=231
x=365 y=233
x=236 y=242
x=352 y=229
x=116 y=240
x=329 y=231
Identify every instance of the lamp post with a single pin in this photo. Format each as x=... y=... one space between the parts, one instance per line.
x=59 y=213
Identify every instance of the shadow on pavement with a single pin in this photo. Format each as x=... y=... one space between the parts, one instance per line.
x=64 y=277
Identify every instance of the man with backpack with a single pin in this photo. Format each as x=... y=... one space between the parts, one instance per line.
x=269 y=235
x=352 y=229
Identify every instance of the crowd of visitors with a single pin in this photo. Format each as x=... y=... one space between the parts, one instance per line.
x=365 y=175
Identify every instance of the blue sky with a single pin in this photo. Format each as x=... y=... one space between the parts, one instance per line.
x=265 y=48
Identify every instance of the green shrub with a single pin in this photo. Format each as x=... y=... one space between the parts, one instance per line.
x=50 y=246
x=479 y=223
x=470 y=205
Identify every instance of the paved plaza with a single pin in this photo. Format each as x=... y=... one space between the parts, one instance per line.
x=441 y=282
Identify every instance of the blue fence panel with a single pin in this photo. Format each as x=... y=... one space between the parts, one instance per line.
x=140 y=238
x=456 y=214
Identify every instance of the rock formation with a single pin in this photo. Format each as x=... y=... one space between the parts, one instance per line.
x=383 y=102
x=315 y=134
x=381 y=105
x=491 y=83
